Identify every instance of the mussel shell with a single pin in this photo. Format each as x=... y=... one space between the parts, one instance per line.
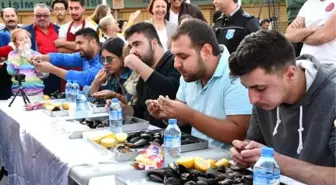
x=226 y=182
x=185 y=177
x=156 y=175
x=190 y=183
x=221 y=169
x=134 y=139
x=158 y=141
x=235 y=168
x=172 y=181
x=174 y=167
x=170 y=173
x=196 y=173
x=201 y=183
x=220 y=177
x=247 y=179
x=155 y=178
x=234 y=175
x=140 y=143
x=146 y=136
x=212 y=173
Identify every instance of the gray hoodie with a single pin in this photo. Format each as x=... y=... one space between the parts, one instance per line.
x=305 y=130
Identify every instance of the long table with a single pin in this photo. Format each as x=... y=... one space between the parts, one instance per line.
x=35 y=152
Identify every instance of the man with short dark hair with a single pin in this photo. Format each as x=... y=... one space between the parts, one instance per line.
x=214 y=105
x=265 y=23
x=293 y=111
x=155 y=67
x=66 y=38
x=87 y=43
x=234 y=24
x=60 y=9
x=177 y=8
x=10 y=18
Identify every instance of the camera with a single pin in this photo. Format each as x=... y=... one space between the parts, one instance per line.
x=20 y=77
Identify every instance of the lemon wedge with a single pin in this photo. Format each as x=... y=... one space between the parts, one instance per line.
x=187 y=162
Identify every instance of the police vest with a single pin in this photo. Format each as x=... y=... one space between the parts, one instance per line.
x=231 y=31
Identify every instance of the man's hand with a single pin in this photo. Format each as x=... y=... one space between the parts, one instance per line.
x=38 y=59
x=101 y=76
x=104 y=94
x=44 y=67
x=246 y=153
x=154 y=109
x=132 y=62
x=59 y=43
x=173 y=108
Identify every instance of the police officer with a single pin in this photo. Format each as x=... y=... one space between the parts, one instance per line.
x=233 y=24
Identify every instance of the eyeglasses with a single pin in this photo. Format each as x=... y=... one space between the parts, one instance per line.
x=59 y=10
x=45 y=16
x=105 y=59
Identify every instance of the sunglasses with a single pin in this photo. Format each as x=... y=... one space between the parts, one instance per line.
x=108 y=60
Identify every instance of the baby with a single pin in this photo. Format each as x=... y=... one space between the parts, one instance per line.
x=17 y=63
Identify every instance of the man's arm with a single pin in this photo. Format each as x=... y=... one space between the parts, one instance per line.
x=63 y=43
x=84 y=77
x=64 y=50
x=324 y=34
x=66 y=60
x=297 y=32
x=252 y=25
x=59 y=72
x=306 y=172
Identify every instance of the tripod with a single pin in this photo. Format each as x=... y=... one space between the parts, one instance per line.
x=23 y=94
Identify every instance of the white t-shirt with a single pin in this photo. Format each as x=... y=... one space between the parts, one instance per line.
x=64 y=28
x=173 y=17
x=163 y=38
x=316 y=13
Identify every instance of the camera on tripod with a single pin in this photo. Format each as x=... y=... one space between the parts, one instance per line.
x=20 y=77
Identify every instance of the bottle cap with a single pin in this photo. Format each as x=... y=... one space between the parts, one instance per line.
x=172 y=121
x=267 y=151
x=115 y=100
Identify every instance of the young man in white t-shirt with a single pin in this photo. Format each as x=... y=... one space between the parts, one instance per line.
x=315 y=26
x=66 y=37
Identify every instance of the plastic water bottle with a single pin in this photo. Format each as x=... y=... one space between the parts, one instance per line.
x=26 y=51
x=81 y=105
x=172 y=142
x=75 y=90
x=266 y=171
x=116 y=116
x=68 y=91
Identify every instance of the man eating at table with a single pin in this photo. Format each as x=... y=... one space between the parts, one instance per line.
x=87 y=43
x=294 y=108
x=214 y=105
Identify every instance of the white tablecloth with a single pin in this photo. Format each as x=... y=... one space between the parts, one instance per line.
x=33 y=152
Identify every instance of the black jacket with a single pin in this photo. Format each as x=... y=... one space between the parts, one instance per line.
x=163 y=81
x=230 y=31
x=5 y=83
x=190 y=9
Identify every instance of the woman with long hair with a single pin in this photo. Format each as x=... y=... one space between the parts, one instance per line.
x=109 y=82
x=164 y=28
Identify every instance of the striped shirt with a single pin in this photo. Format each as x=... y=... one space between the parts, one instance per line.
x=16 y=64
